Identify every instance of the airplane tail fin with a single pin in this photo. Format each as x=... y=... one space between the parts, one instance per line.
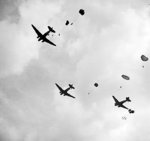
x=128 y=99
x=51 y=29
x=71 y=86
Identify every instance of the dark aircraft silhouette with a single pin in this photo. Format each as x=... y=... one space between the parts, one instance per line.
x=43 y=36
x=65 y=92
x=120 y=103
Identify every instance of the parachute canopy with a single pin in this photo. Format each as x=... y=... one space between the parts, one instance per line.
x=67 y=22
x=144 y=58
x=125 y=77
x=81 y=11
x=96 y=84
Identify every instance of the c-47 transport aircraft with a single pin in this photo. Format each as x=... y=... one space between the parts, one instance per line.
x=42 y=37
x=120 y=103
x=65 y=92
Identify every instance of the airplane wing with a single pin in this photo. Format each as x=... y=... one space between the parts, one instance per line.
x=115 y=99
x=61 y=90
x=67 y=94
x=37 y=32
x=124 y=106
x=48 y=41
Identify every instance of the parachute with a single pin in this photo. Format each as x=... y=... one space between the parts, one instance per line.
x=96 y=84
x=144 y=58
x=67 y=22
x=125 y=77
x=131 y=111
x=81 y=11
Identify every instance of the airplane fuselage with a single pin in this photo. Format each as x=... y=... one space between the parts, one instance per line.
x=120 y=104
x=64 y=92
x=42 y=37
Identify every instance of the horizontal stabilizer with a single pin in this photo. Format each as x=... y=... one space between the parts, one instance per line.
x=128 y=99
x=71 y=86
x=51 y=29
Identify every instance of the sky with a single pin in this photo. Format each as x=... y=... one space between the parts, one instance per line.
x=100 y=46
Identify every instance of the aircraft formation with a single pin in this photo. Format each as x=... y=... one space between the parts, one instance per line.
x=118 y=103
x=64 y=92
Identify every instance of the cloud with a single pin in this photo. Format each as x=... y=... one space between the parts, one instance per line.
x=18 y=50
x=9 y=10
x=100 y=46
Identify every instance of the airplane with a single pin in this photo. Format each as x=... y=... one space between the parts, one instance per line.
x=65 y=92
x=43 y=36
x=120 y=103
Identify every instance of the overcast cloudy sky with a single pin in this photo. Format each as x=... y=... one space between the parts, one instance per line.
x=99 y=47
